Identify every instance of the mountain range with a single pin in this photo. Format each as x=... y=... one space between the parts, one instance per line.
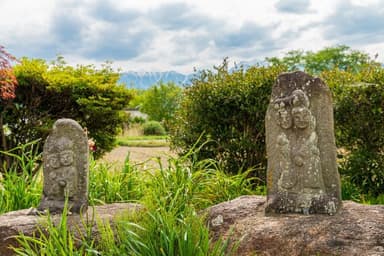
x=143 y=80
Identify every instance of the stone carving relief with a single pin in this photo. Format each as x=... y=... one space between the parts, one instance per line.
x=299 y=156
x=294 y=158
x=65 y=168
x=62 y=175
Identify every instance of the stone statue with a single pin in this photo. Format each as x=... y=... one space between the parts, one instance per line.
x=302 y=173
x=65 y=159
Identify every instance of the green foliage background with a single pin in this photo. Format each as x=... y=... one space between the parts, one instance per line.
x=227 y=109
x=359 y=106
x=161 y=101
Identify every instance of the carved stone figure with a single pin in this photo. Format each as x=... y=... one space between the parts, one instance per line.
x=302 y=173
x=65 y=168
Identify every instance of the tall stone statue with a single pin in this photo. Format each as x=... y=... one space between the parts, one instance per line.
x=65 y=168
x=302 y=174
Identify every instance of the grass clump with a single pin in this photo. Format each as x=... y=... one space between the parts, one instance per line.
x=56 y=239
x=107 y=185
x=168 y=224
x=20 y=183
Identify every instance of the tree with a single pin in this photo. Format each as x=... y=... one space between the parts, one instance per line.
x=161 y=101
x=8 y=83
x=293 y=60
x=340 y=57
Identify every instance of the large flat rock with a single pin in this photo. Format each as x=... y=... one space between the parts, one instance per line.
x=355 y=230
x=14 y=223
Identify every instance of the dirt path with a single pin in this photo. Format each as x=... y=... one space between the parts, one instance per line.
x=143 y=156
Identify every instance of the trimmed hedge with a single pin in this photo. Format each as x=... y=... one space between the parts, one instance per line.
x=226 y=110
x=359 y=116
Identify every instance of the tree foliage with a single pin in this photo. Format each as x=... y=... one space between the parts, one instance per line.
x=8 y=83
x=8 y=80
x=340 y=57
x=226 y=110
x=47 y=92
x=161 y=101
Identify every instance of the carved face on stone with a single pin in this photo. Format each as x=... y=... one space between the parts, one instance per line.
x=284 y=118
x=66 y=157
x=301 y=117
x=53 y=161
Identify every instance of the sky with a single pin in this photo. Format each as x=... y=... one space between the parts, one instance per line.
x=165 y=35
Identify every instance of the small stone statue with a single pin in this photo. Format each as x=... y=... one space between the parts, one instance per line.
x=302 y=173
x=65 y=159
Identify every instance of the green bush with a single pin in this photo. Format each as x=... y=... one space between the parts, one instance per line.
x=153 y=128
x=359 y=118
x=137 y=120
x=47 y=92
x=227 y=109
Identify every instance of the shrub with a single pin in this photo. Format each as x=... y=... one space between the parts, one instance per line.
x=227 y=109
x=359 y=118
x=137 y=120
x=365 y=169
x=48 y=92
x=153 y=128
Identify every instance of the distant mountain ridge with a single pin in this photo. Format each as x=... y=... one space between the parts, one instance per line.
x=144 y=80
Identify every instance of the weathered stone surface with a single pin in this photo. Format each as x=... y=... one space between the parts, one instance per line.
x=65 y=159
x=14 y=223
x=302 y=174
x=356 y=230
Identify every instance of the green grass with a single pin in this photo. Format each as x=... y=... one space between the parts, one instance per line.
x=107 y=185
x=169 y=224
x=146 y=137
x=51 y=239
x=143 y=141
x=21 y=185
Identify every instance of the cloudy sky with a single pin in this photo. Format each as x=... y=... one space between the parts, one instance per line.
x=163 y=35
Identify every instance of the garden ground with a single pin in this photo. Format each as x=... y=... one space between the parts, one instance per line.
x=146 y=156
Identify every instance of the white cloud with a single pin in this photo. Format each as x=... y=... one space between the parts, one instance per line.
x=155 y=35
